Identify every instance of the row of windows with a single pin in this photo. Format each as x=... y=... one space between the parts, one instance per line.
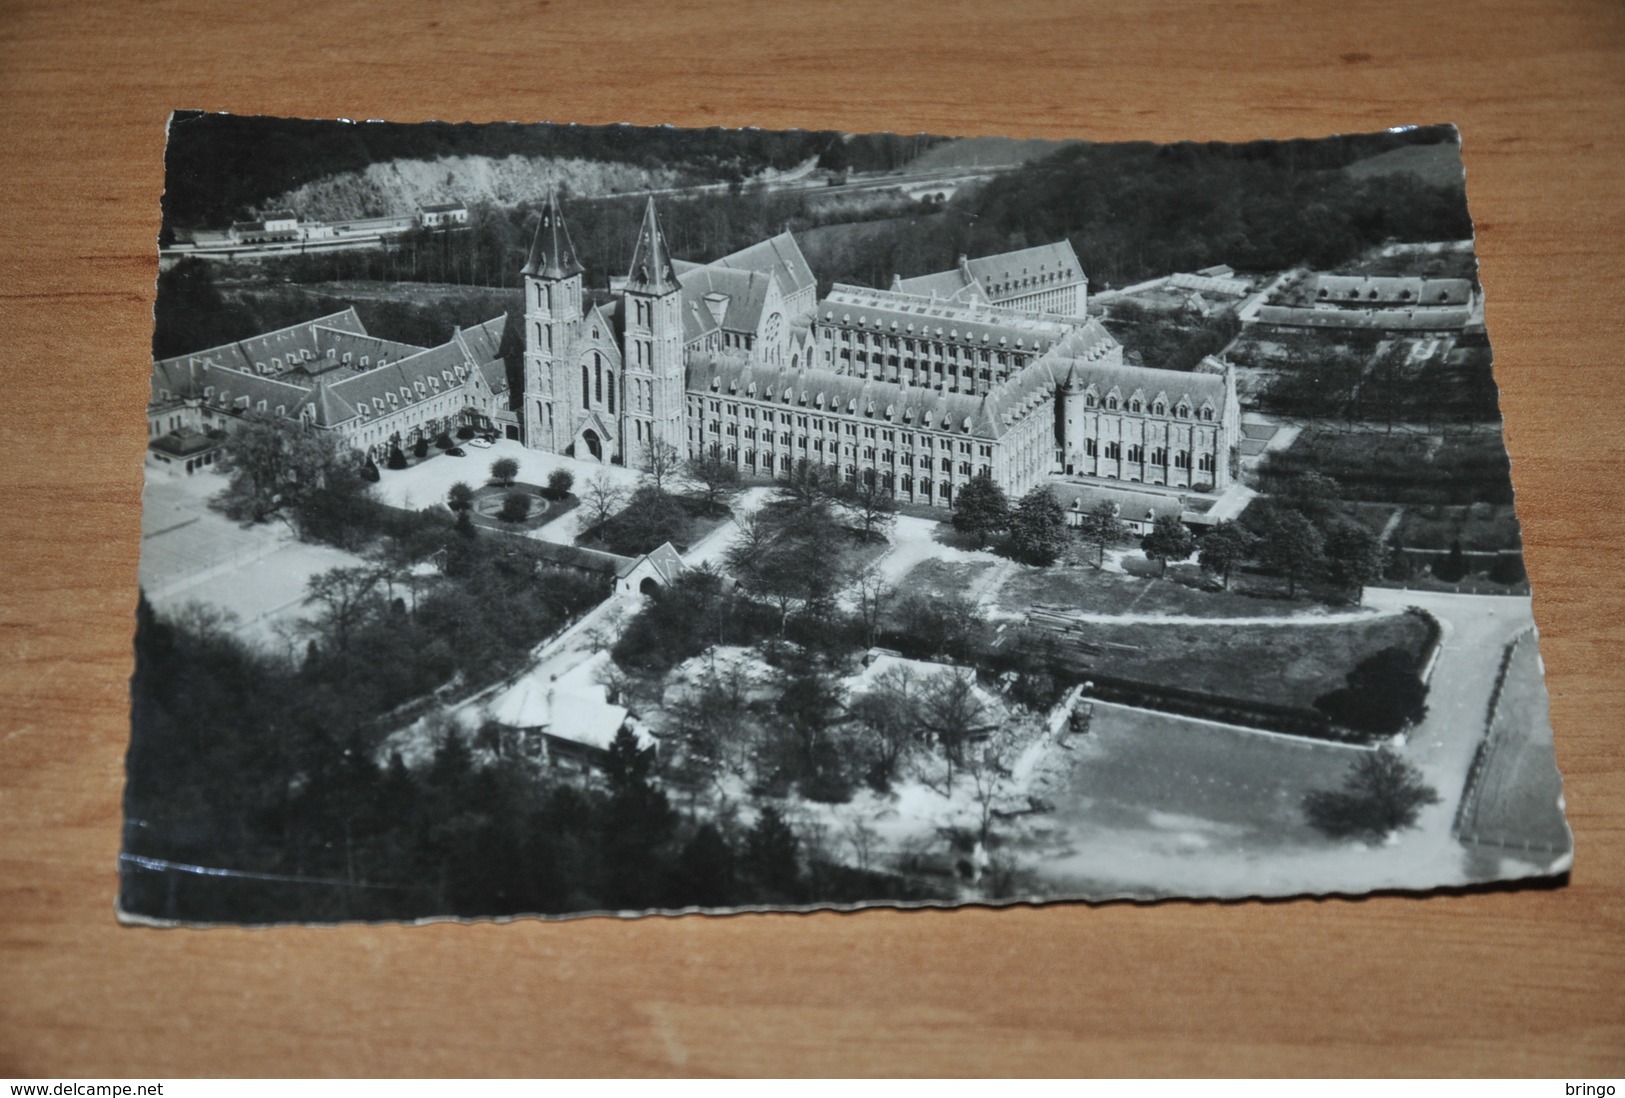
x=1158 y=408
x=1113 y=451
x=925 y=488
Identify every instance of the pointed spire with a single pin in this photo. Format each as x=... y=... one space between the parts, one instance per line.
x=651 y=263
x=551 y=253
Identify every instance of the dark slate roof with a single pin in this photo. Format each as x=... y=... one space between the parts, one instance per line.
x=1130 y=505
x=227 y=381
x=1079 y=375
x=1012 y=274
x=955 y=285
x=905 y=315
x=293 y=344
x=552 y=255
x=746 y=292
x=989 y=416
x=1372 y=292
x=651 y=271
x=779 y=256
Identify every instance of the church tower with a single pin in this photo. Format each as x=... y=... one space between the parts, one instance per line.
x=552 y=329
x=655 y=382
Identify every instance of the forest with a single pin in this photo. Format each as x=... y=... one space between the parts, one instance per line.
x=218 y=167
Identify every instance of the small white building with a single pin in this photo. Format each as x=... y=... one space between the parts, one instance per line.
x=569 y=716
x=654 y=570
x=443 y=215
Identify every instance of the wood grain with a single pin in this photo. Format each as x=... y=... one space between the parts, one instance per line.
x=1515 y=982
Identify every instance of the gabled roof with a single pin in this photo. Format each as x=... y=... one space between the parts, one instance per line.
x=651 y=271
x=1196 y=388
x=745 y=290
x=989 y=326
x=1371 y=291
x=778 y=256
x=666 y=562
x=1013 y=269
x=552 y=255
x=953 y=285
x=814 y=390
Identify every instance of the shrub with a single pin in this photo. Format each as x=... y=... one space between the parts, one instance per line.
x=515 y=507
x=443 y=441
x=420 y=448
x=460 y=497
x=397 y=460
x=503 y=470
x=1451 y=568
x=465 y=432
x=369 y=471
x=559 y=483
x=1381 y=794
x=1508 y=569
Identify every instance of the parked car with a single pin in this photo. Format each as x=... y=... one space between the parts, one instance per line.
x=480 y=441
x=455 y=451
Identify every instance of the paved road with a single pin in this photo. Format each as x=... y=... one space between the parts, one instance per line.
x=1477 y=630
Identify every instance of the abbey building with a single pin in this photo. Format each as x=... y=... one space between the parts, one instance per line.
x=993 y=367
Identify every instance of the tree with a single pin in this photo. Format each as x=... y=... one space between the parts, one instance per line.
x=420 y=448
x=650 y=518
x=891 y=711
x=559 y=483
x=951 y=710
x=1354 y=555
x=1384 y=694
x=1451 y=568
x=1101 y=527
x=874 y=594
x=603 y=497
x=1223 y=548
x=808 y=485
x=273 y=462
x=397 y=459
x=661 y=463
x=1381 y=794
x=716 y=478
x=515 y=507
x=347 y=596
x=1168 y=540
x=1038 y=527
x=460 y=497
x=1292 y=547
x=465 y=525
x=981 y=509
x=871 y=507
x=772 y=855
x=504 y=470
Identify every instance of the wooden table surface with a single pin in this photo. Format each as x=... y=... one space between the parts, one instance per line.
x=1498 y=982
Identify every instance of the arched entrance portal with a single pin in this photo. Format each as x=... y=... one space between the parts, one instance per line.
x=594 y=445
x=648 y=586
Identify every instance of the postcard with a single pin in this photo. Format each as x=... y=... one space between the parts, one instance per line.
x=546 y=520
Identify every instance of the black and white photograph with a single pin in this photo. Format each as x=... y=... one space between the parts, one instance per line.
x=547 y=520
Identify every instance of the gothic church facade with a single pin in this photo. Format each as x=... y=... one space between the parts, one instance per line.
x=993 y=368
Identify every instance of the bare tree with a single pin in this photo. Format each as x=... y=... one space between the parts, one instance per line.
x=347 y=596
x=661 y=463
x=603 y=498
x=952 y=712
x=861 y=837
x=716 y=478
x=874 y=595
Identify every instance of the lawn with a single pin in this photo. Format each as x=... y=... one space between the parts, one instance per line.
x=1082 y=587
x=1154 y=770
x=936 y=578
x=1289 y=665
x=1514 y=802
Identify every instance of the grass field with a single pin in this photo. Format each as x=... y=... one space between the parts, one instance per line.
x=1515 y=801
x=1438 y=164
x=1283 y=664
x=1136 y=769
x=1404 y=466
x=1081 y=587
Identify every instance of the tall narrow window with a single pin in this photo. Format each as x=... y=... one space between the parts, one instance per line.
x=586 y=387
x=611 y=394
x=598 y=377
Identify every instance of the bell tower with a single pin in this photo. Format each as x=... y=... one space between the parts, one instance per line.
x=552 y=327
x=655 y=382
